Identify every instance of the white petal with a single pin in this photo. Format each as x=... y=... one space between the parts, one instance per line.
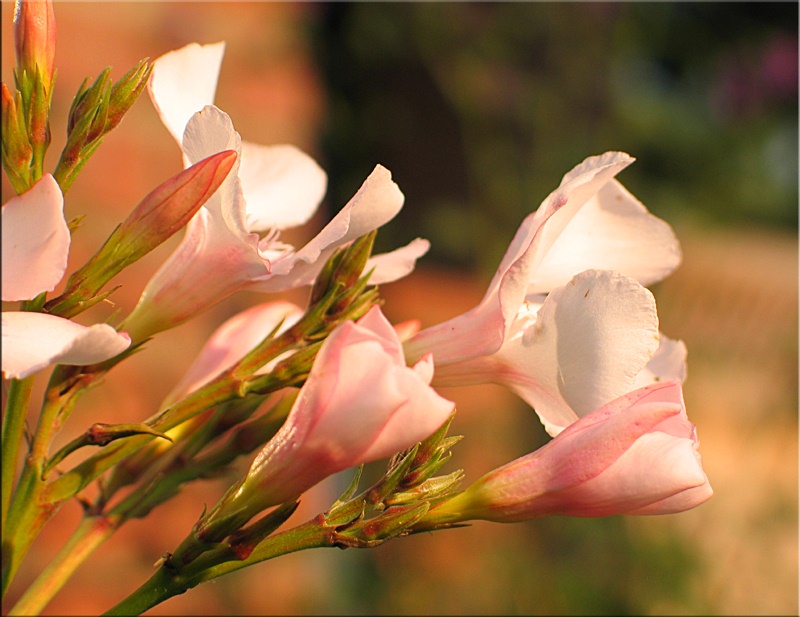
x=35 y=241
x=398 y=263
x=283 y=186
x=611 y=231
x=183 y=82
x=668 y=363
x=209 y=131
x=377 y=201
x=32 y=341
x=591 y=339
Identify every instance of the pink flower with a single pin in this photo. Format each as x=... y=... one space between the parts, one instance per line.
x=635 y=455
x=233 y=243
x=35 y=248
x=360 y=403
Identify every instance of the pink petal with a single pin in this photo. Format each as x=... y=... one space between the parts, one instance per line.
x=183 y=82
x=283 y=186
x=359 y=404
x=636 y=455
x=35 y=241
x=32 y=341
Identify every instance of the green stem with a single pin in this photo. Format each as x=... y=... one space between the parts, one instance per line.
x=91 y=533
x=19 y=395
x=166 y=583
x=28 y=512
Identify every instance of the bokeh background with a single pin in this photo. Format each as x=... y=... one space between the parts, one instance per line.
x=478 y=109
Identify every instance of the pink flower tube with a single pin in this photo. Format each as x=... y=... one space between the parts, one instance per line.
x=361 y=403
x=635 y=455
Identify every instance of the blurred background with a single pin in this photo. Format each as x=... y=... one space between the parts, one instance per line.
x=478 y=109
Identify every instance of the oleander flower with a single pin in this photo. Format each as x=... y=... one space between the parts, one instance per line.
x=234 y=243
x=566 y=322
x=574 y=350
x=361 y=403
x=589 y=222
x=36 y=243
x=637 y=454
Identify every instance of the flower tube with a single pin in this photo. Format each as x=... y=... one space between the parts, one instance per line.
x=635 y=455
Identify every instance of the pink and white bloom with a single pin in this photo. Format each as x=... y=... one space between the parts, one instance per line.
x=635 y=455
x=36 y=244
x=361 y=403
x=233 y=243
x=564 y=337
x=574 y=350
x=589 y=222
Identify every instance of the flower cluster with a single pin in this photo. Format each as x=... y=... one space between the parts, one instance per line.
x=309 y=391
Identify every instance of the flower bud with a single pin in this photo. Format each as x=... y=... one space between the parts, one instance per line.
x=158 y=216
x=17 y=151
x=35 y=38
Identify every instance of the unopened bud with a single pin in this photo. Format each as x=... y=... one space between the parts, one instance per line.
x=35 y=38
x=125 y=92
x=159 y=215
x=17 y=151
x=166 y=209
x=394 y=522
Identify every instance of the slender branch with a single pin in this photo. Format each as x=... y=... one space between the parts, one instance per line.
x=92 y=532
x=166 y=583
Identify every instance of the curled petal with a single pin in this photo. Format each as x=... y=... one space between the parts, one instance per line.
x=183 y=81
x=377 y=201
x=389 y=267
x=590 y=340
x=35 y=241
x=283 y=185
x=582 y=347
x=32 y=341
x=611 y=231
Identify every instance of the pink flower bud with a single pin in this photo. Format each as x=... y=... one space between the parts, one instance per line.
x=361 y=403
x=635 y=455
x=35 y=37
